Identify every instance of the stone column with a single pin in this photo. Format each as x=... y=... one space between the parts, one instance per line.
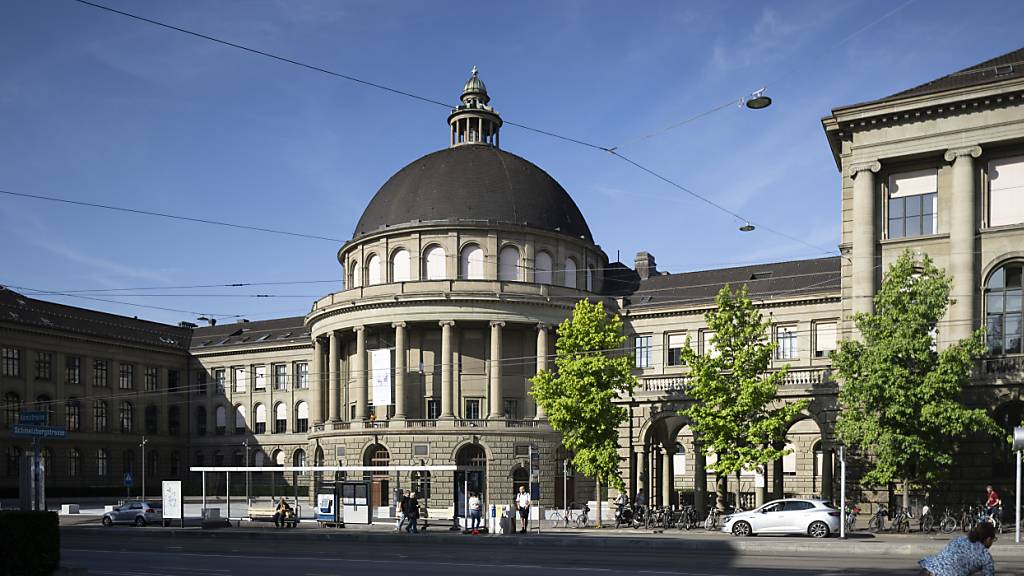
x=334 y=376
x=700 y=480
x=778 y=476
x=542 y=364
x=362 y=376
x=494 y=388
x=399 y=370
x=641 y=472
x=668 y=475
x=865 y=235
x=963 y=224
x=447 y=389
x=826 y=472
x=316 y=399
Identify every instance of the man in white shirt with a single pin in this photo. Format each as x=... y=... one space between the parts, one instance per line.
x=523 y=504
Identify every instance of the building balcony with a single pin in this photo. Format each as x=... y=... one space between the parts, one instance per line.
x=1000 y=370
x=457 y=424
x=674 y=387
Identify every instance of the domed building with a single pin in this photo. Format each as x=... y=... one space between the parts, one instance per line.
x=457 y=272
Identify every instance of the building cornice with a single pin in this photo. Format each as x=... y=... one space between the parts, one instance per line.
x=252 y=350
x=703 y=309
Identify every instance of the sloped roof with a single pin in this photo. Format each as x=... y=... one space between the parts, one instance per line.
x=19 y=309
x=764 y=281
x=262 y=332
x=1005 y=67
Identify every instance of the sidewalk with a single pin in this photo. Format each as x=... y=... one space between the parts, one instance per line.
x=695 y=540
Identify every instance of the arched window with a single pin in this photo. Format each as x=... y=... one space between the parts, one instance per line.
x=174 y=420
x=299 y=458
x=400 y=266
x=12 y=407
x=301 y=417
x=373 y=270
x=434 y=267
x=471 y=263
x=127 y=417
x=1003 y=310
x=542 y=268
x=278 y=457
x=102 y=463
x=74 y=463
x=99 y=416
x=259 y=458
x=570 y=272
x=355 y=276
x=240 y=419
x=508 y=264
x=221 y=418
x=280 y=418
x=151 y=419
x=73 y=415
x=261 y=419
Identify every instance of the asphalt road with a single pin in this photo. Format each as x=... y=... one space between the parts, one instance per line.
x=136 y=552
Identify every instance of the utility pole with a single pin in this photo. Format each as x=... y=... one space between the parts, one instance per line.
x=143 y=445
x=248 y=498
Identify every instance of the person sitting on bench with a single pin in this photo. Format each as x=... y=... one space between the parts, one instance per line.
x=283 y=513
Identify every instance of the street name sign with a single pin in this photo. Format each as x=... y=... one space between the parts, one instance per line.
x=40 y=431
x=33 y=418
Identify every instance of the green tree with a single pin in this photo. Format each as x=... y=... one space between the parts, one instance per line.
x=735 y=412
x=578 y=396
x=900 y=397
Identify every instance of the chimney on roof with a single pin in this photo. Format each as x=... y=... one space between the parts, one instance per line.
x=645 y=265
x=184 y=324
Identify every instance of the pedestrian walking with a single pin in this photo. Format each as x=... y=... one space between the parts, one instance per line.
x=523 y=504
x=474 y=511
x=412 y=512
x=965 y=555
x=401 y=509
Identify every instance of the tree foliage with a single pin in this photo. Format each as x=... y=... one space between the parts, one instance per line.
x=900 y=397
x=578 y=396
x=735 y=412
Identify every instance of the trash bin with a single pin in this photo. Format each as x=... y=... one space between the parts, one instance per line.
x=508 y=522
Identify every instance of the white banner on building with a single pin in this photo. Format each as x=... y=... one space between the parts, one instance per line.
x=380 y=361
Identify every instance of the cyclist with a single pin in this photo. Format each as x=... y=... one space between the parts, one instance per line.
x=993 y=502
x=620 y=503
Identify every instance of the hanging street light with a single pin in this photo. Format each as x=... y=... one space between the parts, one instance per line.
x=748 y=227
x=758 y=100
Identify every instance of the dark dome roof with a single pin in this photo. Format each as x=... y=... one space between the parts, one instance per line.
x=474 y=182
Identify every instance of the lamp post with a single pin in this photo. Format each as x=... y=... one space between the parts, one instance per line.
x=143 y=445
x=248 y=498
x=1018 y=445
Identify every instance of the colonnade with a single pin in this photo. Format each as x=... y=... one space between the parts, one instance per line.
x=329 y=376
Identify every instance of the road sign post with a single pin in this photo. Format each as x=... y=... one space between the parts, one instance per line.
x=128 y=481
x=35 y=425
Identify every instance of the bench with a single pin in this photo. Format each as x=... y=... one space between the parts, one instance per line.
x=266 y=514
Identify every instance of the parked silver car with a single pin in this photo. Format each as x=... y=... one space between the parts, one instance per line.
x=135 y=512
x=818 y=518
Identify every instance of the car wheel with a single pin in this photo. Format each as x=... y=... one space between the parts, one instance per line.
x=818 y=529
x=107 y=521
x=140 y=521
x=741 y=529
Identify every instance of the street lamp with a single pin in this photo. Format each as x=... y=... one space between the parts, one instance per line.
x=248 y=498
x=758 y=100
x=747 y=227
x=143 y=445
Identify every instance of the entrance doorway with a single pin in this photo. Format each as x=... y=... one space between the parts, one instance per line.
x=471 y=456
x=378 y=455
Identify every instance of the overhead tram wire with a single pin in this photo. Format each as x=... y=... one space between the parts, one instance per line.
x=408 y=94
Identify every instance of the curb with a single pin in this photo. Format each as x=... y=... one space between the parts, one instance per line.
x=784 y=545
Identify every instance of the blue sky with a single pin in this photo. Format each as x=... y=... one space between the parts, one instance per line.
x=100 y=108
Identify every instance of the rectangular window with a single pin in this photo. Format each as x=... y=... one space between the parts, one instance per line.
x=302 y=375
x=173 y=384
x=99 y=373
x=521 y=451
x=913 y=208
x=12 y=362
x=73 y=413
x=152 y=376
x=219 y=377
x=240 y=379
x=44 y=365
x=433 y=409
x=126 y=380
x=642 y=351
x=351 y=412
x=261 y=378
x=824 y=339
x=201 y=381
x=99 y=416
x=511 y=406
x=786 y=343
x=421 y=450
x=280 y=376
x=1006 y=191
x=676 y=343
x=73 y=370
x=472 y=411
x=707 y=342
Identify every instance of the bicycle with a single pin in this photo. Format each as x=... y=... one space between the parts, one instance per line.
x=995 y=518
x=711 y=522
x=624 y=515
x=655 y=517
x=687 y=518
x=567 y=518
x=926 y=523
x=640 y=516
x=901 y=523
x=948 y=523
x=968 y=519
x=851 y=517
x=877 y=522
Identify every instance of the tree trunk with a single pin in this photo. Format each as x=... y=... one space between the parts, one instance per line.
x=721 y=490
x=739 y=492
x=906 y=493
x=598 y=524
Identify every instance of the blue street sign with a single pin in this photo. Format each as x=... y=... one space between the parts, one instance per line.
x=32 y=418
x=40 y=431
x=128 y=480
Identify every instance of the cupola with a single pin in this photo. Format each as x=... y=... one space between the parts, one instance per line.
x=474 y=121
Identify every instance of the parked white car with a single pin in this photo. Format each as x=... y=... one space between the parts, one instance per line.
x=135 y=512
x=817 y=518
